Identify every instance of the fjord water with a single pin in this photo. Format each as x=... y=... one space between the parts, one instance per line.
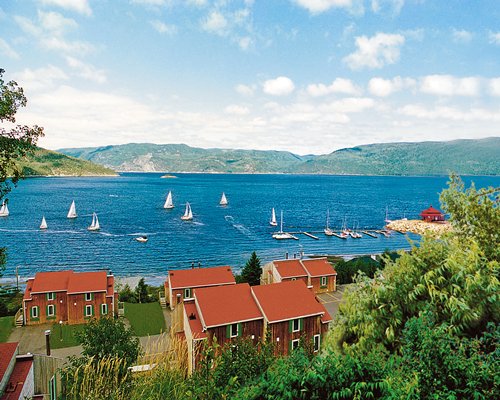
x=132 y=205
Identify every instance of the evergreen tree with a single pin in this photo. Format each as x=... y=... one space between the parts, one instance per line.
x=142 y=291
x=252 y=271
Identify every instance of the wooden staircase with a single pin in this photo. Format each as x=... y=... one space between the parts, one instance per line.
x=163 y=300
x=19 y=318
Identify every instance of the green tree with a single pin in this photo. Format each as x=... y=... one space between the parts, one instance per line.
x=252 y=271
x=16 y=142
x=3 y=260
x=141 y=291
x=107 y=338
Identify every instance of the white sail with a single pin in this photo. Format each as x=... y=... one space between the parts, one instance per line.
x=223 y=200
x=43 y=225
x=95 y=223
x=72 y=210
x=327 y=230
x=273 y=218
x=4 y=210
x=188 y=214
x=169 y=203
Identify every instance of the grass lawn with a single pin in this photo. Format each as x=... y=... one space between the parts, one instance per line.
x=68 y=337
x=6 y=327
x=146 y=318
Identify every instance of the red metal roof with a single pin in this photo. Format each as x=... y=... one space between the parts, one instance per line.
x=326 y=317
x=318 y=267
x=223 y=305
x=194 y=320
x=17 y=379
x=200 y=277
x=431 y=211
x=81 y=282
x=287 y=300
x=54 y=281
x=7 y=351
x=290 y=268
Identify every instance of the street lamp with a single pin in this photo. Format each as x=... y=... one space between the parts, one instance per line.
x=60 y=326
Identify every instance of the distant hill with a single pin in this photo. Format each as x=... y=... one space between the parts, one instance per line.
x=50 y=163
x=466 y=157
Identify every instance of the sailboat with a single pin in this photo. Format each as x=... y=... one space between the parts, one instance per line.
x=43 y=225
x=223 y=200
x=94 y=226
x=344 y=234
x=387 y=220
x=72 y=210
x=273 y=218
x=188 y=214
x=4 y=210
x=283 y=235
x=169 y=204
x=328 y=231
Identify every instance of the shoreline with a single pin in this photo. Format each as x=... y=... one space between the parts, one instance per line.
x=419 y=227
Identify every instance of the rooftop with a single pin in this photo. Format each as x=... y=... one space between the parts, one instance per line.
x=318 y=267
x=200 y=277
x=431 y=210
x=290 y=268
x=17 y=379
x=194 y=320
x=287 y=300
x=7 y=351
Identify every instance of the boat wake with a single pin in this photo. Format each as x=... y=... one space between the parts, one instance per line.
x=239 y=227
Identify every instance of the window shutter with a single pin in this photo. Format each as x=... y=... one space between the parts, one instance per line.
x=92 y=310
x=31 y=312
x=47 y=311
x=290 y=346
x=47 y=296
x=326 y=281
x=301 y=324
x=54 y=310
x=240 y=328
x=228 y=331
x=92 y=298
x=290 y=326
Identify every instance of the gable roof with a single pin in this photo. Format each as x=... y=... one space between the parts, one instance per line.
x=88 y=282
x=55 y=281
x=431 y=210
x=318 y=267
x=223 y=305
x=287 y=300
x=7 y=352
x=194 y=320
x=17 y=379
x=292 y=268
x=200 y=277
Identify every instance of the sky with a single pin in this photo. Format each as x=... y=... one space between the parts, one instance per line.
x=307 y=76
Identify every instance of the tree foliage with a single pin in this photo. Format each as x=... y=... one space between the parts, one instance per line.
x=15 y=143
x=141 y=291
x=252 y=271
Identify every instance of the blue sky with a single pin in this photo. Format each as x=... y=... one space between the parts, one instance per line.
x=308 y=76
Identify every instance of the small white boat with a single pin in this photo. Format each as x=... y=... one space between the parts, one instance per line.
x=344 y=234
x=169 y=204
x=4 y=210
x=95 y=223
x=188 y=214
x=43 y=225
x=283 y=235
x=223 y=200
x=72 y=210
x=273 y=222
x=387 y=220
x=327 y=230
x=142 y=239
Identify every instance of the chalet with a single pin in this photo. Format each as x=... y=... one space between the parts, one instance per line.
x=432 y=215
x=180 y=283
x=288 y=309
x=16 y=373
x=317 y=273
x=68 y=296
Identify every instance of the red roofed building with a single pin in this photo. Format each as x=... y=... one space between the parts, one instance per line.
x=16 y=373
x=317 y=273
x=432 y=215
x=180 y=283
x=68 y=296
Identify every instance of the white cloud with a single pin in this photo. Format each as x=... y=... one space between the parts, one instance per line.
x=161 y=27
x=55 y=22
x=319 y=6
x=281 y=86
x=215 y=23
x=77 y=47
x=244 y=89
x=236 y=110
x=375 y=51
x=461 y=36
x=245 y=42
x=450 y=113
x=384 y=87
x=494 y=37
x=86 y=71
x=7 y=50
x=494 y=86
x=349 y=105
x=80 y=6
x=447 y=85
x=394 y=6
x=339 y=85
x=41 y=78
x=197 y=3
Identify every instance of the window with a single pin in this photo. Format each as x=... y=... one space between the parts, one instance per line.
x=89 y=311
x=295 y=344
x=34 y=312
x=296 y=325
x=234 y=330
x=187 y=293
x=88 y=296
x=317 y=341
x=52 y=389
x=104 y=309
x=51 y=310
x=51 y=296
x=324 y=281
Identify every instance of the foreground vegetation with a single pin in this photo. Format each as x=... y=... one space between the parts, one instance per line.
x=426 y=326
x=6 y=327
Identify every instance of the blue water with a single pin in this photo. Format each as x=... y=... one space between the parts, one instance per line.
x=131 y=205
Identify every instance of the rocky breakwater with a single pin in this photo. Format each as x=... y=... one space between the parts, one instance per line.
x=418 y=226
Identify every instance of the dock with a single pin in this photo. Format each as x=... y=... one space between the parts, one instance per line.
x=310 y=235
x=369 y=234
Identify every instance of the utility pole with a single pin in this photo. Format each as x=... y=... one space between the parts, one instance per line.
x=17 y=278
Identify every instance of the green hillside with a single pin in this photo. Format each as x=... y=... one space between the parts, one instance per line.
x=466 y=157
x=49 y=163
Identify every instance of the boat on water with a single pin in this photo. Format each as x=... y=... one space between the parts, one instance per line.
x=327 y=230
x=95 y=223
x=223 y=200
x=188 y=214
x=273 y=222
x=4 y=210
x=283 y=235
x=345 y=233
x=43 y=225
x=169 y=204
x=387 y=220
x=355 y=234
x=142 y=239
x=72 y=211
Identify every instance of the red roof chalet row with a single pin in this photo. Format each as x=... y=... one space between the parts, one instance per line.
x=295 y=268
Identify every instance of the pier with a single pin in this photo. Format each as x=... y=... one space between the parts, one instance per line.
x=314 y=233
x=310 y=235
x=369 y=234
